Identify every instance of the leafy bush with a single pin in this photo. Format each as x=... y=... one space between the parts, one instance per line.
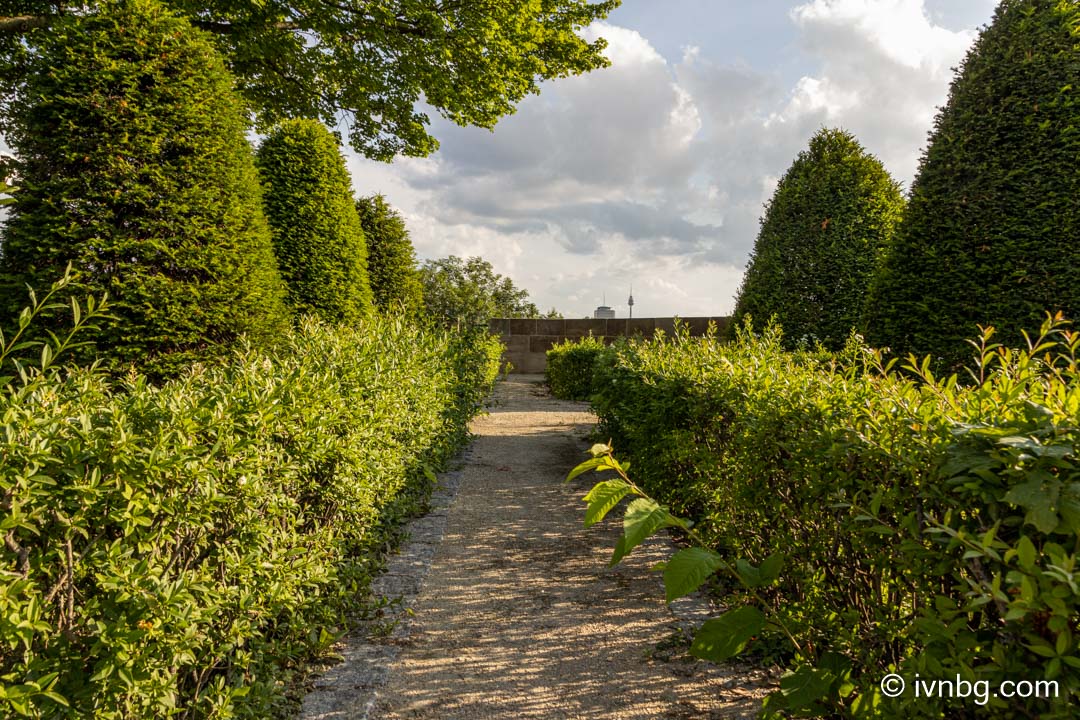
x=821 y=241
x=134 y=168
x=178 y=550
x=395 y=279
x=570 y=367
x=925 y=527
x=317 y=235
x=992 y=232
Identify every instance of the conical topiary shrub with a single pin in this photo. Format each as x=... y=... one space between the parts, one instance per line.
x=395 y=279
x=820 y=242
x=135 y=169
x=992 y=231
x=317 y=235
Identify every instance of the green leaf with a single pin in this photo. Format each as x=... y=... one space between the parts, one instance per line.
x=771 y=567
x=867 y=703
x=1025 y=552
x=750 y=575
x=760 y=576
x=602 y=498
x=726 y=636
x=643 y=518
x=687 y=570
x=590 y=464
x=620 y=551
x=805 y=687
x=1037 y=498
x=599 y=449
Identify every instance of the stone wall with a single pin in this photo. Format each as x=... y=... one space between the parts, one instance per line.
x=527 y=341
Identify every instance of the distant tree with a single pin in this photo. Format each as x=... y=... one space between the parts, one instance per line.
x=821 y=241
x=552 y=314
x=471 y=292
x=317 y=236
x=992 y=233
x=392 y=271
x=134 y=167
x=373 y=60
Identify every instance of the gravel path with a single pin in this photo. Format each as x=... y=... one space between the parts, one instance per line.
x=519 y=615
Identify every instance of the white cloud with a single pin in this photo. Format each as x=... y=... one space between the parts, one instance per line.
x=885 y=67
x=654 y=171
x=901 y=29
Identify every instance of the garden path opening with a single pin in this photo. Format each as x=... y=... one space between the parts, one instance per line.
x=519 y=615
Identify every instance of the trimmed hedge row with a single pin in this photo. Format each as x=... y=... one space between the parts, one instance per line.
x=821 y=240
x=570 y=367
x=135 y=170
x=991 y=235
x=179 y=550
x=391 y=258
x=927 y=527
x=318 y=241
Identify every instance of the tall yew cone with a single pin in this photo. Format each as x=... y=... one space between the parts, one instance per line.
x=318 y=239
x=395 y=279
x=821 y=241
x=134 y=168
x=992 y=231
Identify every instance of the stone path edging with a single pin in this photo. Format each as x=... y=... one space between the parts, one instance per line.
x=348 y=689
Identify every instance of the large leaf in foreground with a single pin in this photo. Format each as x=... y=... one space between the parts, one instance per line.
x=688 y=569
x=643 y=517
x=602 y=498
x=726 y=636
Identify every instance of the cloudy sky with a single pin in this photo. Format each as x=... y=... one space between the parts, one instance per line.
x=654 y=171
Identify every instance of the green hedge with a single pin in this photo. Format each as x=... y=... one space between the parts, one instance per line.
x=927 y=527
x=392 y=271
x=134 y=168
x=318 y=240
x=570 y=367
x=183 y=548
x=821 y=240
x=991 y=235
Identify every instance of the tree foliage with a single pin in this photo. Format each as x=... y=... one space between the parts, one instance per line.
x=992 y=232
x=134 y=168
x=821 y=240
x=471 y=292
x=395 y=279
x=317 y=236
x=374 y=60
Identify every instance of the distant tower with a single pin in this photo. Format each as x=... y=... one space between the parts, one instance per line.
x=604 y=311
x=630 y=302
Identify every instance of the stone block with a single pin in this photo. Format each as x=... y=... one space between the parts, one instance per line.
x=528 y=363
x=585 y=327
x=665 y=324
x=499 y=326
x=543 y=343
x=550 y=327
x=698 y=326
x=516 y=343
x=522 y=326
x=640 y=326
x=722 y=324
x=615 y=327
